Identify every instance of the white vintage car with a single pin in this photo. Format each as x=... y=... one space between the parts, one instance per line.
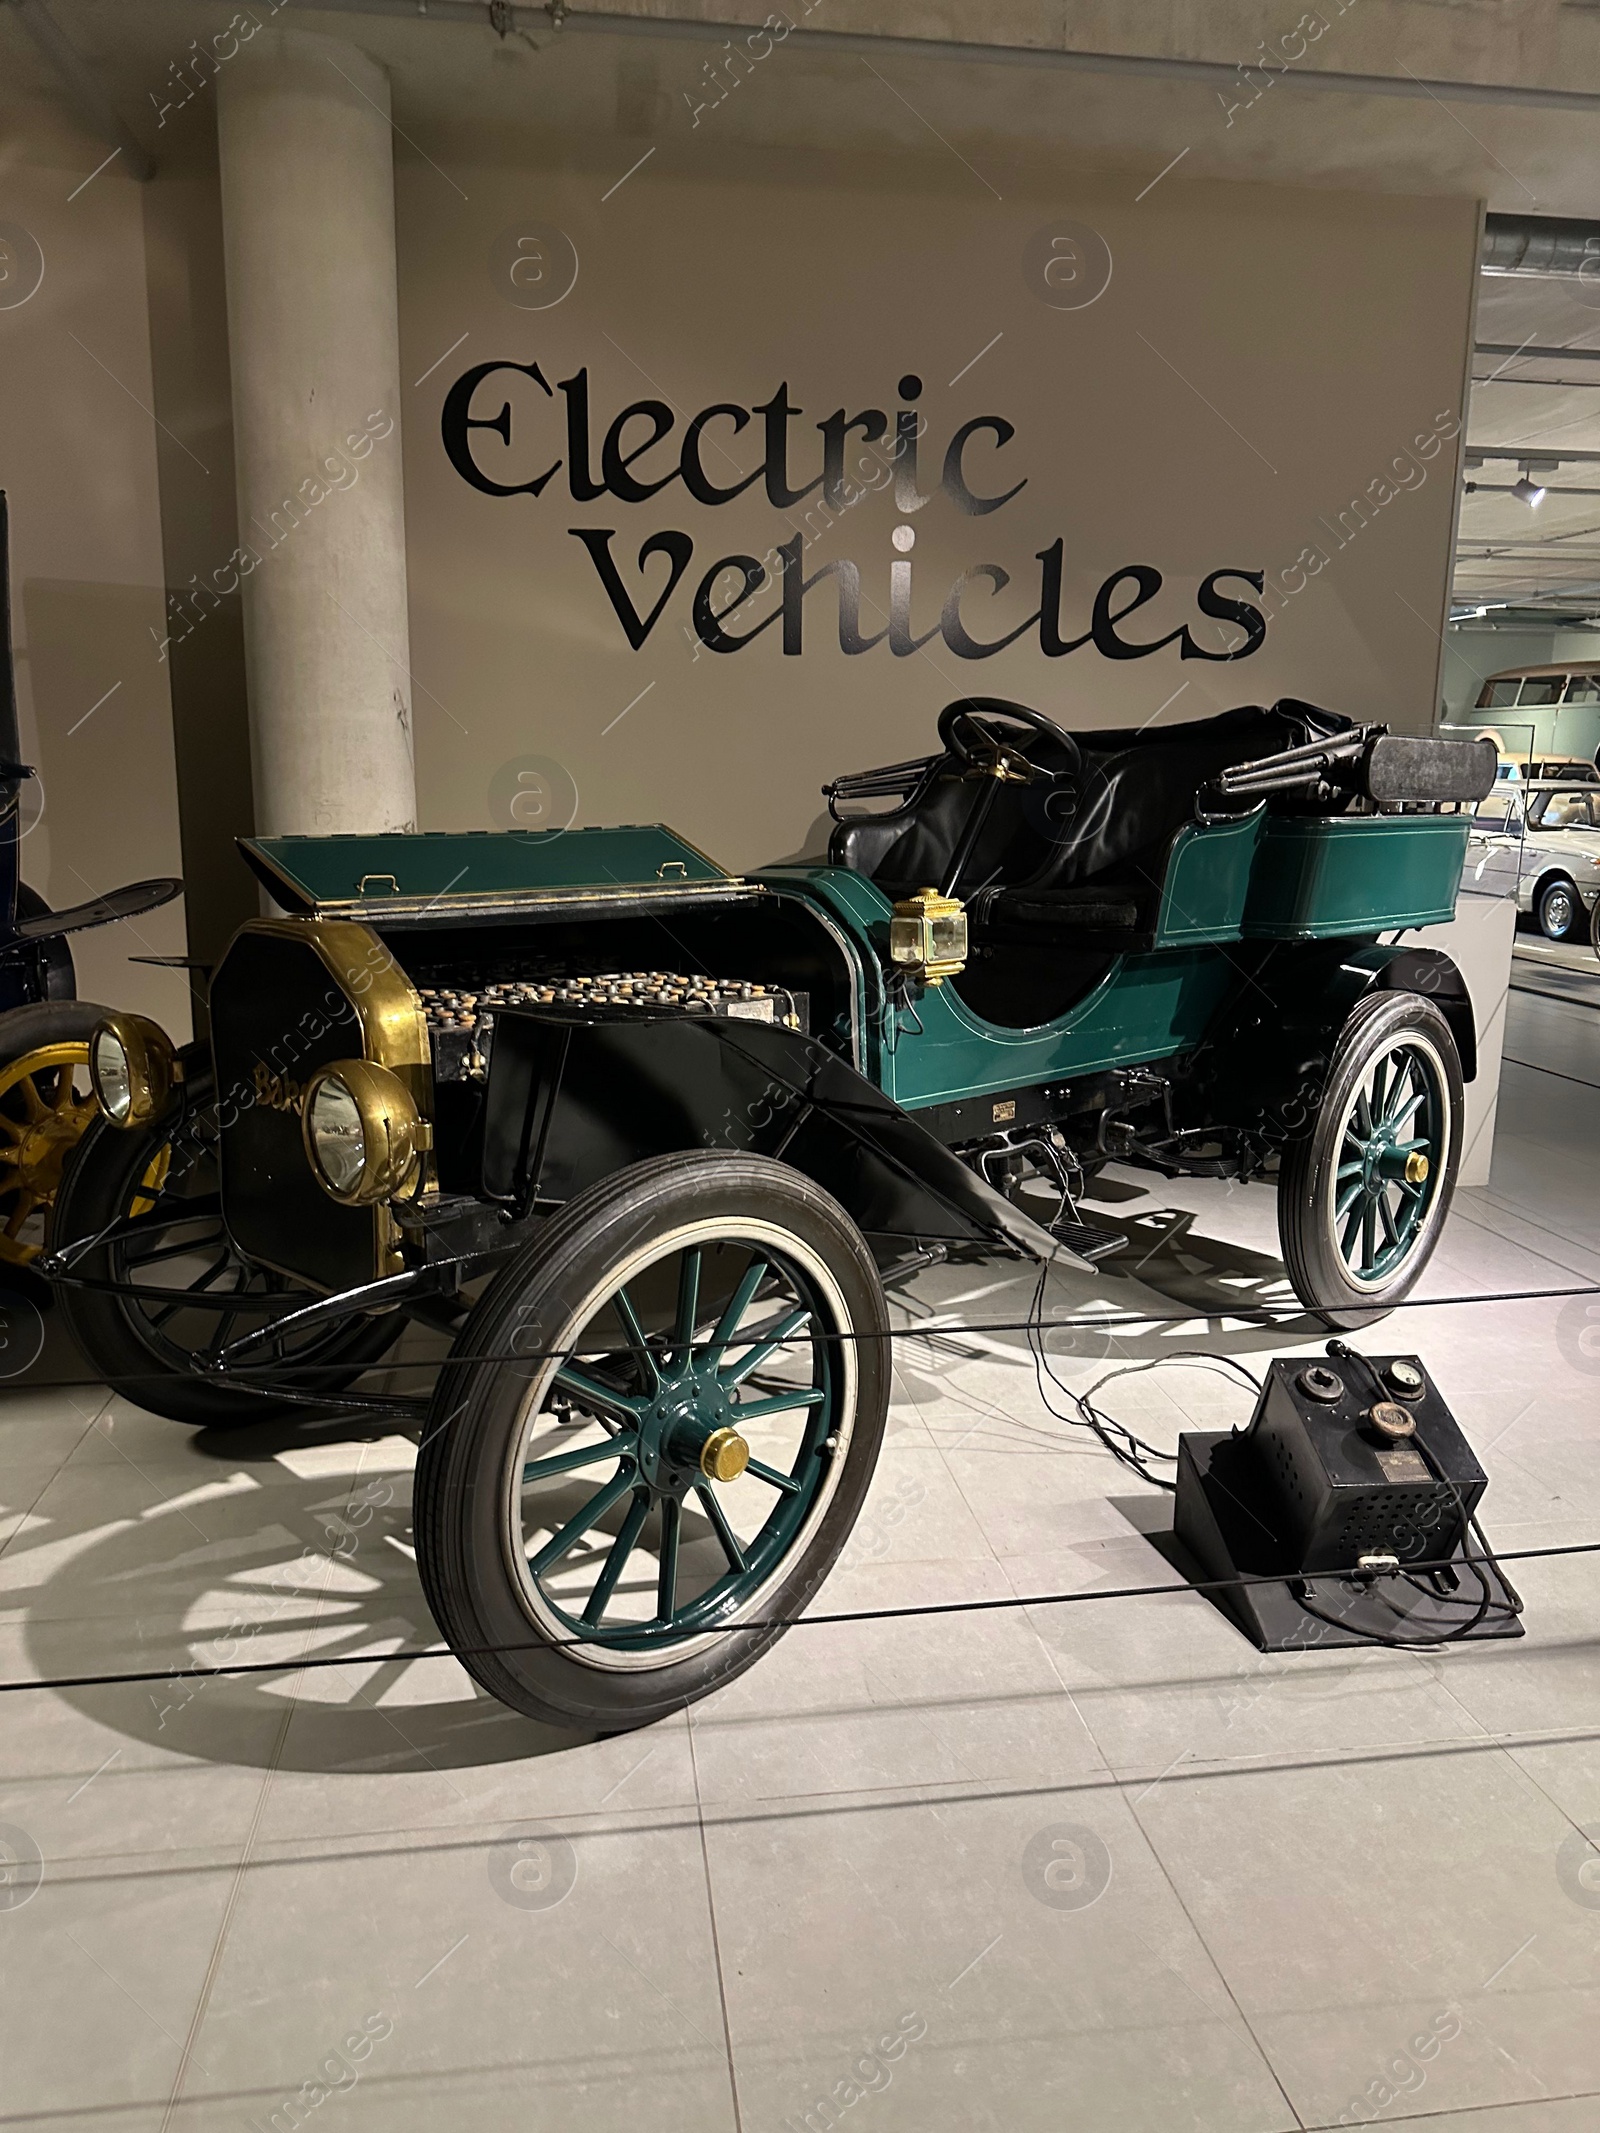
x=1540 y=842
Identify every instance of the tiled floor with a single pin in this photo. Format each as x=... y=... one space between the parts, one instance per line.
x=1096 y=1866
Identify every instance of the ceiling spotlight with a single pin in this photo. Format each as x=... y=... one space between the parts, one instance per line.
x=1530 y=492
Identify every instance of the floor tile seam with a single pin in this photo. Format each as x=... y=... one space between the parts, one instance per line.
x=1029 y=1614
x=574 y=2068
x=1460 y=2110
x=716 y=1937
x=1271 y=1762
x=24 y=1513
x=990 y=1417
x=319 y=1848
x=229 y=1911
x=1005 y=1564
x=860 y=1799
x=1212 y=1957
x=342 y=1849
x=378 y=1841
x=919 y=1713
x=464 y=1835
x=944 y=1454
x=1574 y=1825
x=300 y=1704
x=1313 y=2013
x=579 y=2067
x=1266 y=2014
x=1509 y=1207
x=106 y=1398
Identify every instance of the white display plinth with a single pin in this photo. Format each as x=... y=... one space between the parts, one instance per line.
x=1479 y=940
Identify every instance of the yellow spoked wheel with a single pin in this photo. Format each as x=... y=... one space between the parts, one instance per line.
x=46 y=1107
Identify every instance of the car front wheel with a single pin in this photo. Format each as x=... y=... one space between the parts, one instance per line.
x=1363 y=1197
x=1559 y=910
x=653 y=1439
x=175 y=1289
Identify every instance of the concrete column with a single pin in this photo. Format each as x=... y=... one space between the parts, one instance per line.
x=308 y=229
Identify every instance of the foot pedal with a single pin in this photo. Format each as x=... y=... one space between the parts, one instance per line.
x=1091 y=1244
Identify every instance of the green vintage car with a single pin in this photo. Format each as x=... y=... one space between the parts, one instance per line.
x=643 y=1140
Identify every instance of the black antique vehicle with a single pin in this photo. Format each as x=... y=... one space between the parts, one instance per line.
x=644 y=1138
x=45 y=1102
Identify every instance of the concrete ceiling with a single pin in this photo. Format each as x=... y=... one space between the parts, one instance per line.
x=1546 y=556
x=602 y=96
x=460 y=88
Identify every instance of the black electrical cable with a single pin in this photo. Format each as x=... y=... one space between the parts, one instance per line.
x=1120 y=1441
x=1128 y=1449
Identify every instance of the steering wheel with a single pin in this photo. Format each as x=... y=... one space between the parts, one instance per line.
x=972 y=730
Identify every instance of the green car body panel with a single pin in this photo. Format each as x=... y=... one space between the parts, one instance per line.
x=1248 y=880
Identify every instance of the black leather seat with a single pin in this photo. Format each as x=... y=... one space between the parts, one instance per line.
x=910 y=847
x=1086 y=860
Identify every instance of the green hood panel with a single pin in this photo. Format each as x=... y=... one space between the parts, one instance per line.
x=446 y=869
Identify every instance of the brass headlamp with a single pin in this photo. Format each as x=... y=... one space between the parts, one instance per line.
x=364 y=1136
x=928 y=936
x=133 y=1066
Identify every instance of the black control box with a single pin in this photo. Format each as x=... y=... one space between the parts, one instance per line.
x=1304 y=1524
x=1343 y=1487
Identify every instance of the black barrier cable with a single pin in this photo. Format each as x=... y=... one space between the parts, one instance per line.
x=782 y=1622
x=1093 y=1321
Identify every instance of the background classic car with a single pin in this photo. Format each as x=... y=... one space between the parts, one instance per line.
x=1541 y=843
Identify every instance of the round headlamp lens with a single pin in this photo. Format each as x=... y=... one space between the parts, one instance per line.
x=112 y=1075
x=336 y=1135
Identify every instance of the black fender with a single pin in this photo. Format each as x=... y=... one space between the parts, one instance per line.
x=1264 y=1060
x=1433 y=974
x=573 y=1099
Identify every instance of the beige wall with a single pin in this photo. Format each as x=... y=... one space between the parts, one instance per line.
x=1259 y=358
x=78 y=459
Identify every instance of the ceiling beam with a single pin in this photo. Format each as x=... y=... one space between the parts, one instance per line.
x=557 y=18
x=83 y=87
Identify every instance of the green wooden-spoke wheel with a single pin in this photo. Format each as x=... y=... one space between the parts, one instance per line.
x=1362 y=1197
x=1390 y=1155
x=633 y=1512
x=636 y=1540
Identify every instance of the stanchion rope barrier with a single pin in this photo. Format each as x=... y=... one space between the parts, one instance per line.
x=934 y=1328
x=407 y=1654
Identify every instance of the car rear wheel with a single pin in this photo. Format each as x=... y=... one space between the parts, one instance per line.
x=1362 y=1198
x=202 y=1293
x=46 y=1107
x=626 y=1519
x=1559 y=909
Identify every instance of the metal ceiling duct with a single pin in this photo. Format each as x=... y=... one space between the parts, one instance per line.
x=1542 y=245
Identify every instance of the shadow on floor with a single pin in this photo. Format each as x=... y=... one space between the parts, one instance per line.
x=254 y=1565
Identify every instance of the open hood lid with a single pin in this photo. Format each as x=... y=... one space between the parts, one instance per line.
x=443 y=875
